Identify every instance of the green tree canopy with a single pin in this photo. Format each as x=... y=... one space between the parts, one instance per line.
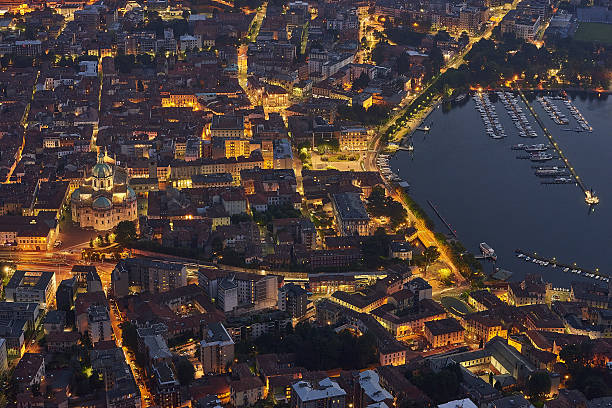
x=538 y=385
x=125 y=232
x=185 y=371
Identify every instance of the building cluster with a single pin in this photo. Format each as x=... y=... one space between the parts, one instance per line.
x=197 y=128
x=165 y=314
x=527 y=19
x=74 y=319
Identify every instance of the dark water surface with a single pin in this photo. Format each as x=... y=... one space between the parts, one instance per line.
x=489 y=195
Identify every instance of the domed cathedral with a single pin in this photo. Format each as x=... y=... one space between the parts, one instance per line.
x=105 y=198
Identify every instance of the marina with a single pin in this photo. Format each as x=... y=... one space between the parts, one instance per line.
x=517 y=115
x=537 y=157
x=553 y=111
x=487 y=195
x=583 y=125
x=553 y=263
x=382 y=162
x=590 y=197
x=489 y=117
x=551 y=172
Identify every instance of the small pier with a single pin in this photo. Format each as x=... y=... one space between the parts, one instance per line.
x=590 y=198
x=553 y=263
x=433 y=207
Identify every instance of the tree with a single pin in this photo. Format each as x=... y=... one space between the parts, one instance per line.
x=378 y=53
x=442 y=386
x=129 y=336
x=125 y=232
x=184 y=371
x=576 y=356
x=361 y=82
x=594 y=387
x=538 y=385
x=381 y=206
x=430 y=255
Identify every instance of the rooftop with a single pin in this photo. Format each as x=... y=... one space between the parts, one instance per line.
x=227 y=122
x=326 y=388
x=36 y=279
x=370 y=383
x=350 y=206
x=443 y=326
x=216 y=334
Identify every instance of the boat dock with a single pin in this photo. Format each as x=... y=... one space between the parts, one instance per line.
x=559 y=180
x=529 y=157
x=433 y=207
x=553 y=263
x=589 y=196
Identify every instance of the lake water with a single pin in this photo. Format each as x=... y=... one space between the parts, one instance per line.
x=488 y=195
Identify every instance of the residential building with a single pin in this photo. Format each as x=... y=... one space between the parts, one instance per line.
x=217 y=349
x=227 y=294
x=246 y=390
x=350 y=214
x=353 y=139
x=13 y=331
x=55 y=321
x=98 y=324
x=370 y=392
x=483 y=299
x=166 y=387
x=147 y=275
x=227 y=126
x=293 y=300
x=121 y=390
x=66 y=294
x=324 y=394
x=443 y=332
x=30 y=370
x=61 y=342
x=30 y=312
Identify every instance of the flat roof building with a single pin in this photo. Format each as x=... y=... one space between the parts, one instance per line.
x=351 y=215
x=31 y=286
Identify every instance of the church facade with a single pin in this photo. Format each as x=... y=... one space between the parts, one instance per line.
x=105 y=198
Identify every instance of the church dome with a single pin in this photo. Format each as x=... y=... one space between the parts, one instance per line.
x=102 y=170
x=76 y=195
x=101 y=203
x=131 y=194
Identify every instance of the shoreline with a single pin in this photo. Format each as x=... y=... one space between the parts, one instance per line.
x=425 y=235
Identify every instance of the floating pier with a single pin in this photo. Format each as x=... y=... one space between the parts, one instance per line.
x=552 y=262
x=590 y=197
x=433 y=207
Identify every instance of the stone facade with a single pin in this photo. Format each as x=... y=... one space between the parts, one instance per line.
x=104 y=199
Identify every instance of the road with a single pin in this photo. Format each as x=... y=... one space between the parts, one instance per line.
x=369 y=160
x=253 y=31
x=24 y=125
x=60 y=262
x=116 y=320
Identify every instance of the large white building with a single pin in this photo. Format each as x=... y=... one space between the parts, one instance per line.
x=105 y=198
x=32 y=287
x=325 y=394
